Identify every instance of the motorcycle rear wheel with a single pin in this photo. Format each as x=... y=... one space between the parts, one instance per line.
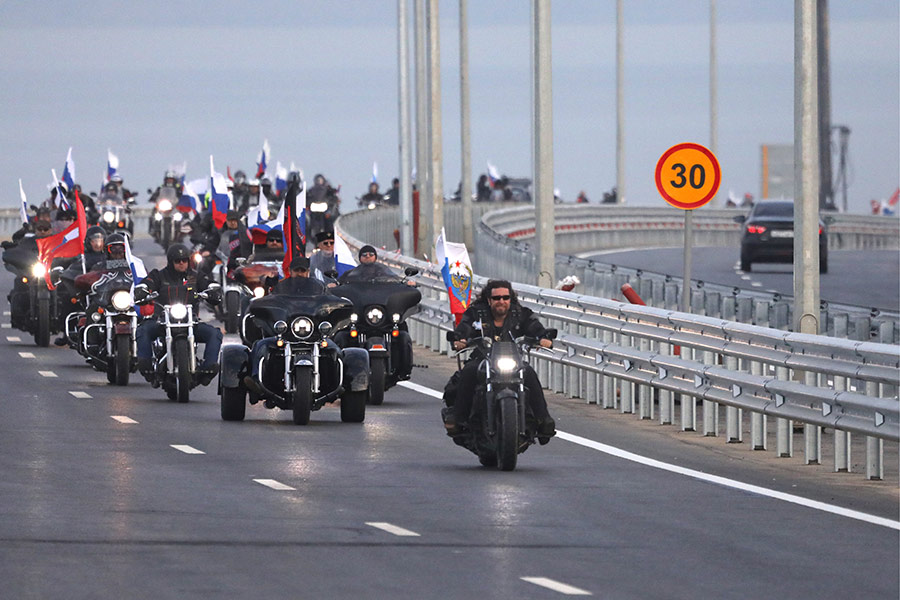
x=182 y=370
x=302 y=397
x=507 y=434
x=232 y=312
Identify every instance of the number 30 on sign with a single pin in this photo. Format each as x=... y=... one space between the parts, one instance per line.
x=688 y=176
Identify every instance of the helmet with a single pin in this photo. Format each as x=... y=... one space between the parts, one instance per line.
x=253 y=182
x=177 y=252
x=240 y=177
x=92 y=232
x=116 y=178
x=115 y=239
x=265 y=181
x=319 y=179
x=170 y=174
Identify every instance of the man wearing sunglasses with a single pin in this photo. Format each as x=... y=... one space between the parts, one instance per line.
x=497 y=314
x=322 y=260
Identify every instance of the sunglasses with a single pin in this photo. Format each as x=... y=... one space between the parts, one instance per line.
x=328 y=243
x=367 y=254
x=498 y=298
x=180 y=260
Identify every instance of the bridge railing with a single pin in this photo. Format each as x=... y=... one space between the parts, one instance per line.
x=688 y=370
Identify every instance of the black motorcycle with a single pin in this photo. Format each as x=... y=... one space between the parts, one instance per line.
x=105 y=333
x=323 y=213
x=501 y=425
x=115 y=214
x=33 y=303
x=303 y=368
x=381 y=306
x=166 y=218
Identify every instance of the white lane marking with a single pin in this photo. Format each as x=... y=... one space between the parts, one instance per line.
x=186 y=449
x=13 y=338
x=755 y=284
x=47 y=373
x=275 y=485
x=731 y=483
x=26 y=354
x=123 y=419
x=393 y=529
x=6 y=325
x=746 y=277
x=78 y=394
x=557 y=586
x=6 y=313
x=658 y=464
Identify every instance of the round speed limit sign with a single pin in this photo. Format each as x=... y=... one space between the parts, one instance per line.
x=688 y=176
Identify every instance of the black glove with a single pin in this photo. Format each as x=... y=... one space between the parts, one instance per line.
x=140 y=293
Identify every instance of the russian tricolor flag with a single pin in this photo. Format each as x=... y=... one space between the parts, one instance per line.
x=343 y=257
x=219 y=198
x=262 y=160
x=61 y=200
x=68 y=176
x=112 y=164
x=456 y=270
x=23 y=209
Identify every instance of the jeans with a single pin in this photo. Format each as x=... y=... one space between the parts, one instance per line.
x=151 y=329
x=469 y=378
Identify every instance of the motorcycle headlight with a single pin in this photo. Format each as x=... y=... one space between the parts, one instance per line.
x=318 y=207
x=95 y=317
x=302 y=327
x=177 y=217
x=157 y=217
x=372 y=206
x=38 y=269
x=258 y=292
x=178 y=311
x=165 y=205
x=198 y=258
x=121 y=300
x=374 y=315
x=505 y=364
x=109 y=217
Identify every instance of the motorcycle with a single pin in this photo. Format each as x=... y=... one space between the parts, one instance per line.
x=251 y=277
x=381 y=306
x=303 y=368
x=166 y=219
x=501 y=425
x=105 y=333
x=40 y=315
x=115 y=214
x=175 y=352
x=322 y=213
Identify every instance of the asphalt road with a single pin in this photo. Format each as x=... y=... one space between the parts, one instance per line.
x=869 y=278
x=117 y=492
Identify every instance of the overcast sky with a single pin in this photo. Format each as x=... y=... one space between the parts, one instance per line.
x=163 y=82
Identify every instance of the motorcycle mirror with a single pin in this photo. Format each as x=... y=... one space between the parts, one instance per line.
x=451 y=336
x=410 y=271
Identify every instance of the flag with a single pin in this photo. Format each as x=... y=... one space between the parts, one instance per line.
x=890 y=207
x=61 y=200
x=259 y=227
x=180 y=172
x=493 y=173
x=374 y=172
x=280 y=178
x=23 y=209
x=456 y=270
x=293 y=230
x=68 y=176
x=112 y=164
x=343 y=257
x=189 y=201
x=219 y=200
x=138 y=270
x=262 y=160
x=67 y=243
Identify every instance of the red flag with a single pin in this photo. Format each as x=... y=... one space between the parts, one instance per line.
x=291 y=229
x=67 y=243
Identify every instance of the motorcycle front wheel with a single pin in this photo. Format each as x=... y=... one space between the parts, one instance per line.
x=353 y=406
x=377 y=368
x=234 y=405
x=507 y=434
x=42 y=333
x=122 y=362
x=182 y=370
x=302 y=397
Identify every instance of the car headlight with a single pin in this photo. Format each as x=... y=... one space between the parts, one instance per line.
x=318 y=207
x=506 y=364
x=258 y=292
x=302 y=327
x=121 y=300
x=38 y=269
x=374 y=315
x=178 y=311
x=164 y=205
x=109 y=217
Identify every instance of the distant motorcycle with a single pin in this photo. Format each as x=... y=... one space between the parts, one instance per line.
x=501 y=425
x=381 y=307
x=115 y=214
x=40 y=317
x=166 y=217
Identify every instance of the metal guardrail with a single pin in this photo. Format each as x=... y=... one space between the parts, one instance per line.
x=595 y=227
x=646 y=361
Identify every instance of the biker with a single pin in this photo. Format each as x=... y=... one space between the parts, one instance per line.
x=393 y=195
x=297 y=283
x=252 y=195
x=177 y=274
x=234 y=241
x=22 y=255
x=66 y=291
x=498 y=315
x=372 y=196
x=369 y=267
x=205 y=238
x=266 y=185
x=322 y=261
x=273 y=250
x=240 y=192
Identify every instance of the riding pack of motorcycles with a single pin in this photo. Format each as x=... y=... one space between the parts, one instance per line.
x=299 y=351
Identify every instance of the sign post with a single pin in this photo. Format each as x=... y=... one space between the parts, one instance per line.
x=687 y=177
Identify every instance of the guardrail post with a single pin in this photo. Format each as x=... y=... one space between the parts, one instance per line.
x=842 y=439
x=645 y=392
x=666 y=397
x=626 y=388
x=608 y=383
x=812 y=434
x=784 y=446
x=688 y=402
x=710 y=408
x=758 y=421
x=874 y=446
x=733 y=415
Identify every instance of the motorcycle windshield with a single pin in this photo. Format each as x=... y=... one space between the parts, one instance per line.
x=169 y=193
x=282 y=307
x=394 y=296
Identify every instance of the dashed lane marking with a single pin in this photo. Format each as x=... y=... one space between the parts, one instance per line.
x=47 y=373
x=557 y=586
x=78 y=394
x=393 y=529
x=13 y=338
x=186 y=449
x=123 y=419
x=275 y=485
x=26 y=354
